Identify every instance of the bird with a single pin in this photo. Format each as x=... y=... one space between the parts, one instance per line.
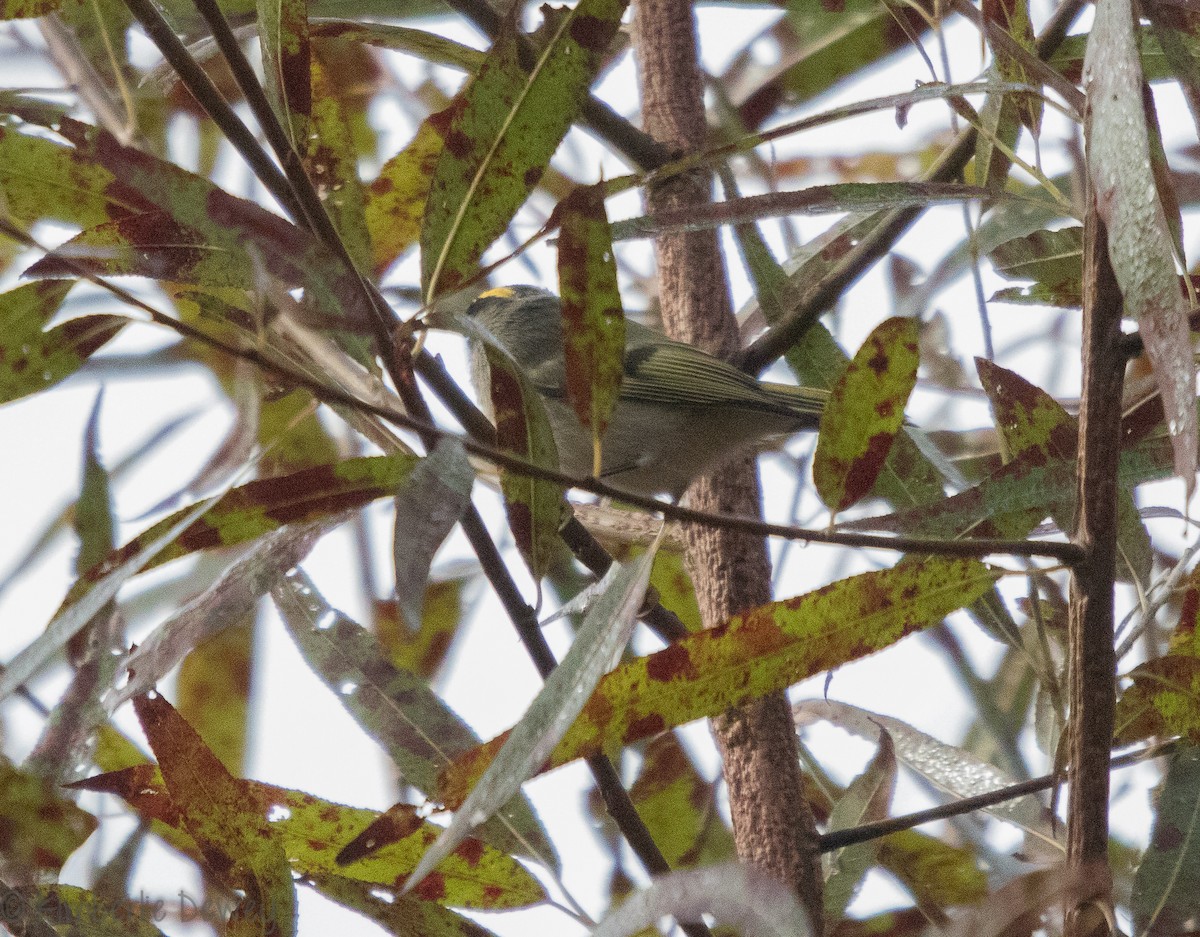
x=680 y=410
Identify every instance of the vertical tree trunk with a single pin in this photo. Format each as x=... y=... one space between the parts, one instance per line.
x=772 y=822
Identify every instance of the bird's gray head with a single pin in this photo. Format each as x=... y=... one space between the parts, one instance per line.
x=526 y=320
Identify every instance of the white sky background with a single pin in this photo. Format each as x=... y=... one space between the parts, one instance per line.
x=302 y=738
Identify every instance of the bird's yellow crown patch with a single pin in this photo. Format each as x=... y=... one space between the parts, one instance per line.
x=503 y=292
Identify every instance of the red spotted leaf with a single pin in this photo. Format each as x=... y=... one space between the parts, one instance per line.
x=500 y=134
x=227 y=818
x=593 y=320
x=32 y=359
x=751 y=655
x=865 y=412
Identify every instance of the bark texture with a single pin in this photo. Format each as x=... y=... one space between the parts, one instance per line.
x=1093 y=662
x=772 y=822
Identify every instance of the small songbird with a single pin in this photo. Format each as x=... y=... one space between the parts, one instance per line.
x=680 y=412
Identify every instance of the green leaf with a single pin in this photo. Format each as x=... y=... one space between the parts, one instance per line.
x=938 y=875
x=395 y=201
x=259 y=507
x=1052 y=259
x=1164 y=700
x=419 y=733
x=593 y=320
x=867 y=799
x=172 y=224
x=534 y=506
x=428 y=505
x=311 y=831
x=763 y=650
x=41 y=827
x=865 y=412
x=226 y=818
x=1140 y=245
x=1033 y=423
x=213 y=691
x=597 y=646
x=90 y=913
x=500 y=134
x=821 y=45
x=287 y=66
x=331 y=156
x=27 y=9
x=679 y=807
x=1166 y=888
x=32 y=359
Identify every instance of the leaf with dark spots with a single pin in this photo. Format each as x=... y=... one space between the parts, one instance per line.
x=31 y=359
x=534 y=506
x=1034 y=426
x=313 y=831
x=865 y=412
x=1165 y=898
x=259 y=507
x=395 y=201
x=207 y=219
x=397 y=709
x=502 y=136
x=759 y=652
x=225 y=817
x=593 y=320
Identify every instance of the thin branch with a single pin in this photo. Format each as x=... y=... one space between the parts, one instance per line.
x=869 y=831
x=828 y=290
x=1090 y=633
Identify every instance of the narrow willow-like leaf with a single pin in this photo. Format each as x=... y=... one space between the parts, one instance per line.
x=679 y=806
x=821 y=46
x=169 y=223
x=419 y=733
x=225 y=817
x=593 y=320
x=534 y=506
x=399 y=915
x=32 y=360
x=1166 y=888
x=428 y=505
x=500 y=136
x=1164 y=700
x=213 y=690
x=947 y=767
x=395 y=201
x=332 y=154
x=598 y=645
x=260 y=507
x=42 y=827
x=1032 y=422
x=1139 y=237
x=742 y=896
x=867 y=799
x=937 y=874
x=1027 y=482
x=864 y=413
x=1052 y=259
x=763 y=650
x=78 y=611
x=815 y=200
x=287 y=65
x=96 y=915
x=312 y=830
x=227 y=602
